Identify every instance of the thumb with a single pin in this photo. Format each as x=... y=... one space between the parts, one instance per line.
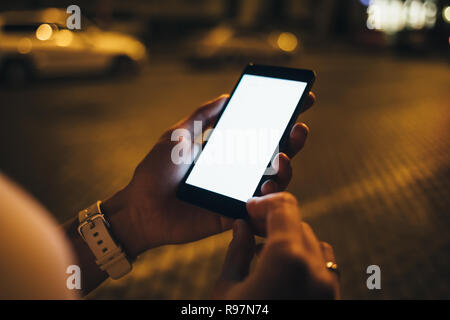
x=240 y=254
x=206 y=114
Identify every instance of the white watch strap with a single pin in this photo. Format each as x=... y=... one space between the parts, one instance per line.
x=94 y=229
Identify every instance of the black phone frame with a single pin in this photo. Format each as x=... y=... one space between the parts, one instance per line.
x=231 y=207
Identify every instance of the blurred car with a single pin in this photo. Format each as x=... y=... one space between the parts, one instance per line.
x=38 y=43
x=228 y=45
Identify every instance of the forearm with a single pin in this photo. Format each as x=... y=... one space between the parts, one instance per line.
x=122 y=230
x=91 y=275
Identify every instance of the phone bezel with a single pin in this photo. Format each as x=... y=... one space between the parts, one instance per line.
x=231 y=207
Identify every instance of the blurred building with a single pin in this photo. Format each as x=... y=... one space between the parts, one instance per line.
x=412 y=24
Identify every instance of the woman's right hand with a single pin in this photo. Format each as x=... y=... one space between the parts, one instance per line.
x=292 y=263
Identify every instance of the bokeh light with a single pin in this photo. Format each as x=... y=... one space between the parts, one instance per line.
x=287 y=41
x=44 y=32
x=24 y=45
x=64 y=38
x=446 y=14
x=392 y=16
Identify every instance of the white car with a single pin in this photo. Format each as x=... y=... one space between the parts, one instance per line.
x=38 y=43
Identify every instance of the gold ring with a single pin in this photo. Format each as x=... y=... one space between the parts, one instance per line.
x=333 y=267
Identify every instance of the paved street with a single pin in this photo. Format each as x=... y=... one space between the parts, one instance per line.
x=373 y=179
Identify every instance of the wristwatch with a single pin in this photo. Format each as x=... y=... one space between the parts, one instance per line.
x=94 y=229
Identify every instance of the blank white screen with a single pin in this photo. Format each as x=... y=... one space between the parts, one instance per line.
x=232 y=162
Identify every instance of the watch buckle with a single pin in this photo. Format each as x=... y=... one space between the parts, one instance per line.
x=90 y=220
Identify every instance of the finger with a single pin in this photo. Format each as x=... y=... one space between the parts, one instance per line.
x=277 y=212
x=300 y=131
x=207 y=114
x=259 y=248
x=328 y=252
x=225 y=223
x=239 y=255
x=310 y=99
x=270 y=186
x=283 y=177
x=258 y=210
x=259 y=207
x=297 y=138
x=309 y=237
x=284 y=174
x=284 y=221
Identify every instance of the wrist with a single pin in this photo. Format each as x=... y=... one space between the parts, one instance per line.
x=124 y=226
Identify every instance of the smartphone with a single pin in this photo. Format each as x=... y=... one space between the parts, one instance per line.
x=253 y=126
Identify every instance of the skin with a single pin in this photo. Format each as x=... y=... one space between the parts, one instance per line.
x=291 y=264
x=146 y=213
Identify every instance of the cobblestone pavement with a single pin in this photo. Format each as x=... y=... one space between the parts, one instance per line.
x=373 y=179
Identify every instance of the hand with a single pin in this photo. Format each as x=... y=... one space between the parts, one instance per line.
x=146 y=213
x=291 y=264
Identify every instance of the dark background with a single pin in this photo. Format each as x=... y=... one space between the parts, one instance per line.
x=373 y=179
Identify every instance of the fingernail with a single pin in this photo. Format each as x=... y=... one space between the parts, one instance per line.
x=305 y=129
x=284 y=157
x=294 y=131
x=271 y=185
x=298 y=131
x=276 y=163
